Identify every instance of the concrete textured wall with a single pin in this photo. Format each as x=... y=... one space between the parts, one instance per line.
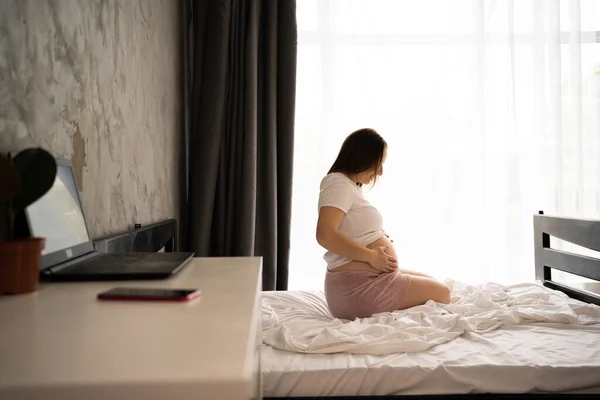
x=97 y=82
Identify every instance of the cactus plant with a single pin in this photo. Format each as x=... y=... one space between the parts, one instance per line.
x=24 y=179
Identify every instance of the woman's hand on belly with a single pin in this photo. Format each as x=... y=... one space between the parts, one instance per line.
x=385 y=242
x=387 y=259
x=382 y=261
x=365 y=266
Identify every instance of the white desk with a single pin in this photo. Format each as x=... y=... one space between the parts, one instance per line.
x=62 y=343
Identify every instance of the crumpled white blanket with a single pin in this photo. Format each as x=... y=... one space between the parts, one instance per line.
x=303 y=324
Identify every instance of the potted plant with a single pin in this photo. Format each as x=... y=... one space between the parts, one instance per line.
x=23 y=180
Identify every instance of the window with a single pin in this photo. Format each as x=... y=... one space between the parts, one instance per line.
x=490 y=110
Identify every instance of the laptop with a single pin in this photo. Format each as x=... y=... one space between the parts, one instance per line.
x=69 y=253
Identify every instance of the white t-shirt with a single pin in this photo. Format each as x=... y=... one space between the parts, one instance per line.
x=362 y=222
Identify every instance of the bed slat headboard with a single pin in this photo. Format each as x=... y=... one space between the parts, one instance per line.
x=581 y=232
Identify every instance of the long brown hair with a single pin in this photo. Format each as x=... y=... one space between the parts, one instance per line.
x=361 y=151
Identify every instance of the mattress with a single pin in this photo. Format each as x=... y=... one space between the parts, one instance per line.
x=521 y=358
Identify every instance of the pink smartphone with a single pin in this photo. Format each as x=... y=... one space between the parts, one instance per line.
x=149 y=294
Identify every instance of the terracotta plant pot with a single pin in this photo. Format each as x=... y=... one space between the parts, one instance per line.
x=20 y=265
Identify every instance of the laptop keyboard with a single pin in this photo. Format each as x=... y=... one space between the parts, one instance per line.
x=123 y=266
x=107 y=263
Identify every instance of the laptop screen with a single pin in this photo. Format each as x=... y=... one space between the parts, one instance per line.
x=58 y=215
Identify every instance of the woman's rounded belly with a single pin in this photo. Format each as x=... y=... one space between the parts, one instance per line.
x=353 y=265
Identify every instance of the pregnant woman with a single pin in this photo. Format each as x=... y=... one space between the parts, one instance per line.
x=363 y=277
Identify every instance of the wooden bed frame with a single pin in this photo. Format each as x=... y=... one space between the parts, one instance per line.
x=581 y=232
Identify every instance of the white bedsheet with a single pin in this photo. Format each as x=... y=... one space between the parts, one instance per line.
x=477 y=309
x=514 y=354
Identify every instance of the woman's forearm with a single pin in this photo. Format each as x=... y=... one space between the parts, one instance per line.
x=338 y=243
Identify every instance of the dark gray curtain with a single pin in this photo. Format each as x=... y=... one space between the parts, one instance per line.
x=239 y=89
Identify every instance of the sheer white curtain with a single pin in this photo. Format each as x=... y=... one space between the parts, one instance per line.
x=491 y=112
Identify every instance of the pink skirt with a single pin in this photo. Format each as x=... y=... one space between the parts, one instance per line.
x=360 y=294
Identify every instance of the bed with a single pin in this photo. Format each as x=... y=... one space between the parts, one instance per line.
x=546 y=339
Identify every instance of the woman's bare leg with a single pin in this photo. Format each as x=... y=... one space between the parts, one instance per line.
x=423 y=289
